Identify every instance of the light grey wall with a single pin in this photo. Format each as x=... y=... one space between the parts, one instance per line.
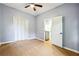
x=78 y=27
x=0 y=23
x=78 y=45
x=7 y=18
x=39 y=27
x=70 y=14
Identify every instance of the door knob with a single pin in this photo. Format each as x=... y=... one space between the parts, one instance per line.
x=61 y=33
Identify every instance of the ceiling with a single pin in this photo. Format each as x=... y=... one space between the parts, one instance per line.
x=46 y=7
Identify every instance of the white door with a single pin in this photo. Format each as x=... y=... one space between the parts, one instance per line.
x=57 y=37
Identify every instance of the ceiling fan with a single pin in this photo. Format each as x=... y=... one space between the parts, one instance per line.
x=33 y=5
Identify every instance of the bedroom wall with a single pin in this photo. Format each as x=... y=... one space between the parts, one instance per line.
x=7 y=23
x=70 y=14
x=0 y=23
x=78 y=27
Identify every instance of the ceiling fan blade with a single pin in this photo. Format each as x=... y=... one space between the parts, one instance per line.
x=27 y=6
x=38 y=5
x=34 y=8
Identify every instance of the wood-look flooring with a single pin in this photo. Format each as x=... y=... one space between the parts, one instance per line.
x=33 y=48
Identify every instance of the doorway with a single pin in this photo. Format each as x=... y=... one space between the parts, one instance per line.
x=47 y=30
x=53 y=30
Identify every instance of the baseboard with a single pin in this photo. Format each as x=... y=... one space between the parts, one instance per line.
x=40 y=39
x=31 y=38
x=15 y=41
x=71 y=49
x=7 y=42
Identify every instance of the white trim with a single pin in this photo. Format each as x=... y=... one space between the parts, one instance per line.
x=30 y=38
x=7 y=42
x=71 y=49
x=15 y=41
x=39 y=39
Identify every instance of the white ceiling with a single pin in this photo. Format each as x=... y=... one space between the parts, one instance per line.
x=46 y=7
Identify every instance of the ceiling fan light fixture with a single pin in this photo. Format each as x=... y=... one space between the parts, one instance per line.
x=32 y=6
